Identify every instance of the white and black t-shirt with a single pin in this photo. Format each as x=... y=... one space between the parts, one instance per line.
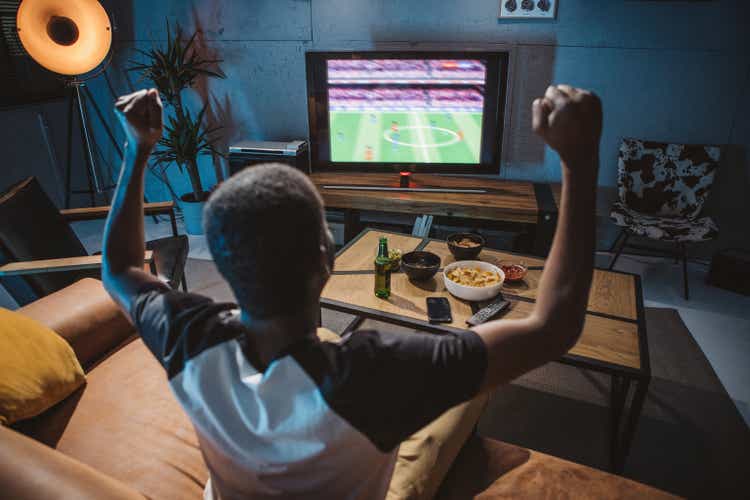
x=323 y=420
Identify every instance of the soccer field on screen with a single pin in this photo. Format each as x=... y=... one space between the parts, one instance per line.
x=405 y=137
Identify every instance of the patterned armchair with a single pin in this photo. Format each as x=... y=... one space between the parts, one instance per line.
x=662 y=188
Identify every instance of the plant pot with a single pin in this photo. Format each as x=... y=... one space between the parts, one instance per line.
x=192 y=212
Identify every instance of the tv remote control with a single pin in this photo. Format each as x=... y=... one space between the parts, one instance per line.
x=488 y=312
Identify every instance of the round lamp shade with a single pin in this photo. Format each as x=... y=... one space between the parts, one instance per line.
x=69 y=37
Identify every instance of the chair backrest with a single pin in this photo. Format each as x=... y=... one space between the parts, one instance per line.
x=665 y=179
x=31 y=228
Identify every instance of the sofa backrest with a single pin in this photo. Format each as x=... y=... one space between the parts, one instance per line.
x=84 y=315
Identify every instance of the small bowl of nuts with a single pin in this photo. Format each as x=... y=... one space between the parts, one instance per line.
x=465 y=246
x=394 y=255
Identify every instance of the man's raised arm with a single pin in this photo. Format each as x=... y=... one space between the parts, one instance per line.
x=569 y=120
x=122 y=268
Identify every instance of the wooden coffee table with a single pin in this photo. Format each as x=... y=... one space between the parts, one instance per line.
x=613 y=340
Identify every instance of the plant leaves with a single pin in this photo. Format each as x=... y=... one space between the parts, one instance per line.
x=172 y=69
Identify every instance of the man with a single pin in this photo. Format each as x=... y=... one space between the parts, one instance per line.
x=281 y=414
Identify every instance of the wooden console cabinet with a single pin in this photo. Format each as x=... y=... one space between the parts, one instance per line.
x=524 y=205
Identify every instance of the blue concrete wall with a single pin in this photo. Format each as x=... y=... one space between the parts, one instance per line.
x=674 y=71
x=669 y=71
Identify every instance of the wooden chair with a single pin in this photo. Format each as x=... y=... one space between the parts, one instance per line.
x=662 y=188
x=42 y=254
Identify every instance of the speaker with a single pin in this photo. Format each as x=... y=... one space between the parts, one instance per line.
x=248 y=153
x=730 y=269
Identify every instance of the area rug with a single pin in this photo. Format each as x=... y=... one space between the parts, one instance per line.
x=691 y=440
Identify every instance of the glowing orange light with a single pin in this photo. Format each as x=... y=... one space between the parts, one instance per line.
x=69 y=37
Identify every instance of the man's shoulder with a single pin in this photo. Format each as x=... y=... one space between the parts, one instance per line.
x=179 y=326
x=380 y=345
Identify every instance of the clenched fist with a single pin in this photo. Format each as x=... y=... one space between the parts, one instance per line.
x=140 y=114
x=570 y=122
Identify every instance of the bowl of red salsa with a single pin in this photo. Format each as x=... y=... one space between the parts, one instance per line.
x=514 y=271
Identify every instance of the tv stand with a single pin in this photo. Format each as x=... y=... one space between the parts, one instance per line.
x=404 y=185
x=525 y=207
x=354 y=187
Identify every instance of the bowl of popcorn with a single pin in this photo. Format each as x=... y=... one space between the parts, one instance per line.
x=473 y=280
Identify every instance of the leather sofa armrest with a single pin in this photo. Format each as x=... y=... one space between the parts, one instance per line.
x=84 y=315
x=61 y=265
x=31 y=470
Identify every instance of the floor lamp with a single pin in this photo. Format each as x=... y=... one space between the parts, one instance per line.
x=71 y=38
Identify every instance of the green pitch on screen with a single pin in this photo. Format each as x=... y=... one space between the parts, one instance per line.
x=408 y=137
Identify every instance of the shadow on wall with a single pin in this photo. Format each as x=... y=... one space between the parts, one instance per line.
x=218 y=110
x=728 y=202
x=530 y=71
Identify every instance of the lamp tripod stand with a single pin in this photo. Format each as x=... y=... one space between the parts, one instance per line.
x=79 y=95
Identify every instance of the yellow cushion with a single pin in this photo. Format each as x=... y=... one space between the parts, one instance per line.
x=425 y=457
x=327 y=335
x=37 y=366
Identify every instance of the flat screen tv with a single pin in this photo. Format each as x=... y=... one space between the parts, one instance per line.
x=415 y=111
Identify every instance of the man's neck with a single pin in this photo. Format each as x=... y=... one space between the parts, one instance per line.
x=266 y=338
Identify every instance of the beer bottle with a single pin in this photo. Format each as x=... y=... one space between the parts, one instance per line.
x=383 y=270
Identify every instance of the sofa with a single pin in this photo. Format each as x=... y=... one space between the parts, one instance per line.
x=123 y=435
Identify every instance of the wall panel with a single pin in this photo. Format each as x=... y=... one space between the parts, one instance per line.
x=714 y=25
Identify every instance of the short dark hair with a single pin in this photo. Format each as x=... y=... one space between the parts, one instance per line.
x=265 y=226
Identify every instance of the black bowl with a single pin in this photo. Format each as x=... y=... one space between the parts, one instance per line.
x=465 y=253
x=420 y=266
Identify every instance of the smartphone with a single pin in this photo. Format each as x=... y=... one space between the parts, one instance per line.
x=439 y=310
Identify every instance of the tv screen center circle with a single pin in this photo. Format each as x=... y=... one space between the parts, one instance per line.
x=394 y=137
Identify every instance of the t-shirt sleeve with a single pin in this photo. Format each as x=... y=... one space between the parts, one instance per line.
x=175 y=325
x=390 y=385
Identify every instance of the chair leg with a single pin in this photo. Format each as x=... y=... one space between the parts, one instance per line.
x=617 y=240
x=619 y=249
x=685 y=270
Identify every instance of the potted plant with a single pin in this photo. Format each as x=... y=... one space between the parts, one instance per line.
x=186 y=137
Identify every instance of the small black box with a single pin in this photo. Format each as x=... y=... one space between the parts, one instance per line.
x=730 y=269
x=247 y=153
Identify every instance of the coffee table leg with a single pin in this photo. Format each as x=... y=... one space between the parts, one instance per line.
x=624 y=419
x=353 y=325
x=634 y=414
x=619 y=388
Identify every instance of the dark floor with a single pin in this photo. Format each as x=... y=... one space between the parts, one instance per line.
x=691 y=440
